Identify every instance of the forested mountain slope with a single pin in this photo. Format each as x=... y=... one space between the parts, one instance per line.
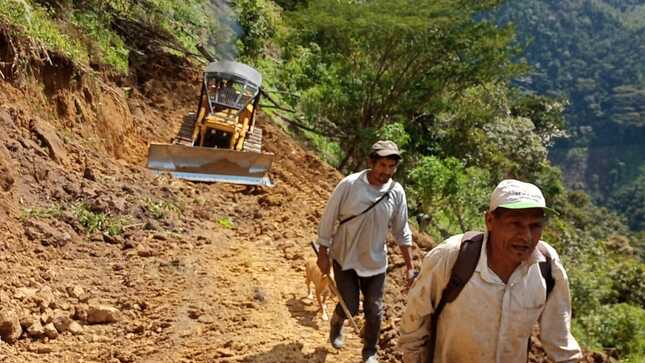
x=592 y=53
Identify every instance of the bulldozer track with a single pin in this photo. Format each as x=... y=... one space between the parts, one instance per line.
x=253 y=141
x=185 y=133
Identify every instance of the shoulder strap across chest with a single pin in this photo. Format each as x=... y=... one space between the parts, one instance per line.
x=385 y=195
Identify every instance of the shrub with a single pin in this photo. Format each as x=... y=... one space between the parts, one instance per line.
x=617 y=329
x=97 y=221
x=159 y=209
x=258 y=19
x=109 y=46
x=628 y=283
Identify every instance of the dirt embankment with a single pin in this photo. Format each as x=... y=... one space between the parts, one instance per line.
x=105 y=262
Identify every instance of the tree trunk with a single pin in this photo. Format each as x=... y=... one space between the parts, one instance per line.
x=348 y=155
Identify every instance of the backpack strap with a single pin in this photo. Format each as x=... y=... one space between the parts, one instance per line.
x=462 y=271
x=545 y=269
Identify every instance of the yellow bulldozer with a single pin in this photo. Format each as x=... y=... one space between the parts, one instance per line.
x=220 y=142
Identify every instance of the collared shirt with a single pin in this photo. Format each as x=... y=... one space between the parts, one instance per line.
x=490 y=321
x=359 y=244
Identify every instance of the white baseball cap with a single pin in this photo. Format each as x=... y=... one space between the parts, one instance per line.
x=514 y=194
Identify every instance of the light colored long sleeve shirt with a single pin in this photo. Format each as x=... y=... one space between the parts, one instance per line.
x=359 y=244
x=490 y=321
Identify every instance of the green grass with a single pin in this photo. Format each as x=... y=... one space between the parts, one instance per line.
x=112 y=49
x=226 y=222
x=91 y=221
x=160 y=208
x=53 y=211
x=185 y=20
x=98 y=221
x=330 y=151
x=36 y=23
x=85 y=28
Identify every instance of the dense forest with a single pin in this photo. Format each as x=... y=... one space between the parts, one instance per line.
x=591 y=54
x=467 y=97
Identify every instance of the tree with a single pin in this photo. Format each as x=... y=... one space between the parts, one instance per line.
x=390 y=61
x=450 y=194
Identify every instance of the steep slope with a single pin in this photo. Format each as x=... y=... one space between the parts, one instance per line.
x=591 y=53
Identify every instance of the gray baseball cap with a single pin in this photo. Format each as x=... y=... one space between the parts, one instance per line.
x=385 y=148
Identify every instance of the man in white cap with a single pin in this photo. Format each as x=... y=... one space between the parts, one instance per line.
x=485 y=312
x=352 y=233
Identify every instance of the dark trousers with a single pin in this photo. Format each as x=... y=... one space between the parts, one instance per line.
x=349 y=286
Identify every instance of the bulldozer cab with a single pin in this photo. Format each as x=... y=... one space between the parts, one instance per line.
x=227 y=106
x=226 y=90
x=219 y=142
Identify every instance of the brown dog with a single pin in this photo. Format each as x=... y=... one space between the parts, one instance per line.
x=321 y=286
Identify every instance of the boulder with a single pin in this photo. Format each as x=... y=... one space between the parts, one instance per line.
x=28 y=320
x=62 y=321
x=80 y=312
x=102 y=314
x=50 y=331
x=47 y=234
x=75 y=328
x=47 y=136
x=47 y=316
x=25 y=294
x=36 y=330
x=76 y=292
x=10 y=329
x=44 y=297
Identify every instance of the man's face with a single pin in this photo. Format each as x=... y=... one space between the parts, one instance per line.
x=383 y=169
x=515 y=233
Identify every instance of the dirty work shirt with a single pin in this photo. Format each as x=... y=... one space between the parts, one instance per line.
x=359 y=244
x=490 y=321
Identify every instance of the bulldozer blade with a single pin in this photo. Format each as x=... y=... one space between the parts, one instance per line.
x=210 y=164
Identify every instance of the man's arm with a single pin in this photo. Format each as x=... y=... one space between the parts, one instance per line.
x=327 y=225
x=323 y=260
x=400 y=227
x=555 y=322
x=423 y=297
x=406 y=252
x=402 y=233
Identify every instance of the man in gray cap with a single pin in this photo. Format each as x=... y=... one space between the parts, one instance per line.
x=478 y=295
x=352 y=236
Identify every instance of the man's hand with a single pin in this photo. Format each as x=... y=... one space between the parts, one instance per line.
x=412 y=275
x=323 y=260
